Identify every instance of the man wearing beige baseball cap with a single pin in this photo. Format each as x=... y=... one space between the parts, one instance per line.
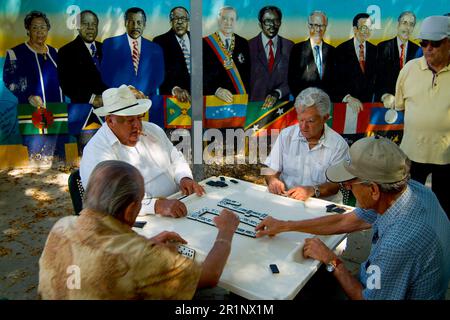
x=422 y=91
x=124 y=136
x=410 y=254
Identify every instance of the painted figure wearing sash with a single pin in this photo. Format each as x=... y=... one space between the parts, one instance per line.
x=226 y=59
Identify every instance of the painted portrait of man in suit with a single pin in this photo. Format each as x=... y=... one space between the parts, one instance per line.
x=356 y=65
x=176 y=46
x=226 y=59
x=312 y=62
x=79 y=63
x=131 y=59
x=393 y=54
x=269 y=55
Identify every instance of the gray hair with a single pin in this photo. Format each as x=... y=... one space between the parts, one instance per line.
x=227 y=8
x=112 y=187
x=316 y=97
x=404 y=13
x=317 y=12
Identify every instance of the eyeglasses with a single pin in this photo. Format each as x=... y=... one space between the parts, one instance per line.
x=348 y=184
x=270 y=22
x=434 y=44
x=180 y=19
x=364 y=28
x=317 y=26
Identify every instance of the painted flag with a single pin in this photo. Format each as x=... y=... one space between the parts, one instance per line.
x=221 y=114
x=262 y=121
x=82 y=117
x=177 y=114
x=371 y=120
x=49 y=120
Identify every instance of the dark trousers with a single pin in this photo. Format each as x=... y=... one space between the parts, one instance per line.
x=440 y=177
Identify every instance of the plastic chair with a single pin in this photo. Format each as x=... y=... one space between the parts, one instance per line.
x=76 y=191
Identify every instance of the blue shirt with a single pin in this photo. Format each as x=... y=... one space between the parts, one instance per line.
x=410 y=248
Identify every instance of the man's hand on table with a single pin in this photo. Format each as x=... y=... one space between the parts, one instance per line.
x=169 y=239
x=170 y=208
x=189 y=186
x=276 y=186
x=227 y=222
x=315 y=249
x=269 y=227
x=300 y=192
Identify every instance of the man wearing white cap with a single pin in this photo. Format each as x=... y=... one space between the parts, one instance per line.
x=144 y=145
x=422 y=90
x=410 y=254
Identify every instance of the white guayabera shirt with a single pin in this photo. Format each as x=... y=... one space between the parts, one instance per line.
x=159 y=162
x=300 y=166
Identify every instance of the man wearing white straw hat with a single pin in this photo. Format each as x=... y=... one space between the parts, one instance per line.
x=422 y=90
x=410 y=254
x=144 y=145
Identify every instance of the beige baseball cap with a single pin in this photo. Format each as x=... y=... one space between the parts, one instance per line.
x=375 y=159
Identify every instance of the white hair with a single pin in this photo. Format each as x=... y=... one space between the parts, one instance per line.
x=316 y=97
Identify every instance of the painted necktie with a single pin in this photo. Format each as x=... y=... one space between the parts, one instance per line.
x=94 y=55
x=135 y=56
x=318 y=60
x=402 y=55
x=362 y=63
x=186 y=54
x=271 y=56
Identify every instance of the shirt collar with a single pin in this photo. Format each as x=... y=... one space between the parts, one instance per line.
x=223 y=37
x=357 y=43
x=109 y=135
x=324 y=139
x=130 y=40
x=265 y=40
x=112 y=223
x=313 y=44
x=88 y=45
x=184 y=37
x=391 y=215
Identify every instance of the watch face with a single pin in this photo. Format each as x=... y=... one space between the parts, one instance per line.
x=330 y=267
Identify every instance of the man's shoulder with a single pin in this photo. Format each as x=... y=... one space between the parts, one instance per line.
x=164 y=37
x=240 y=40
x=345 y=45
x=74 y=44
x=337 y=140
x=109 y=41
x=386 y=43
x=285 y=41
x=254 y=41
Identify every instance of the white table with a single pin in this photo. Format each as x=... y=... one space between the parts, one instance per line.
x=247 y=271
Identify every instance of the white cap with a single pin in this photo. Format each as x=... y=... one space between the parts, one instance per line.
x=435 y=28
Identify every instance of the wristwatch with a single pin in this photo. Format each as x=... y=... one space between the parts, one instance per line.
x=332 y=265
x=316 y=191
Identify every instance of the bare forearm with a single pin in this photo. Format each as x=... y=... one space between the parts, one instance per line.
x=333 y=224
x=215 y=261
x=351 y=286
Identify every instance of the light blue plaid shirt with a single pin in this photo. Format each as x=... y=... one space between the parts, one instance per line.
x=410 y=248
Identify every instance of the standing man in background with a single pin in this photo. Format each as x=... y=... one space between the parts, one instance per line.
x=176 y=46
x=269 y=54
x=422 y=90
